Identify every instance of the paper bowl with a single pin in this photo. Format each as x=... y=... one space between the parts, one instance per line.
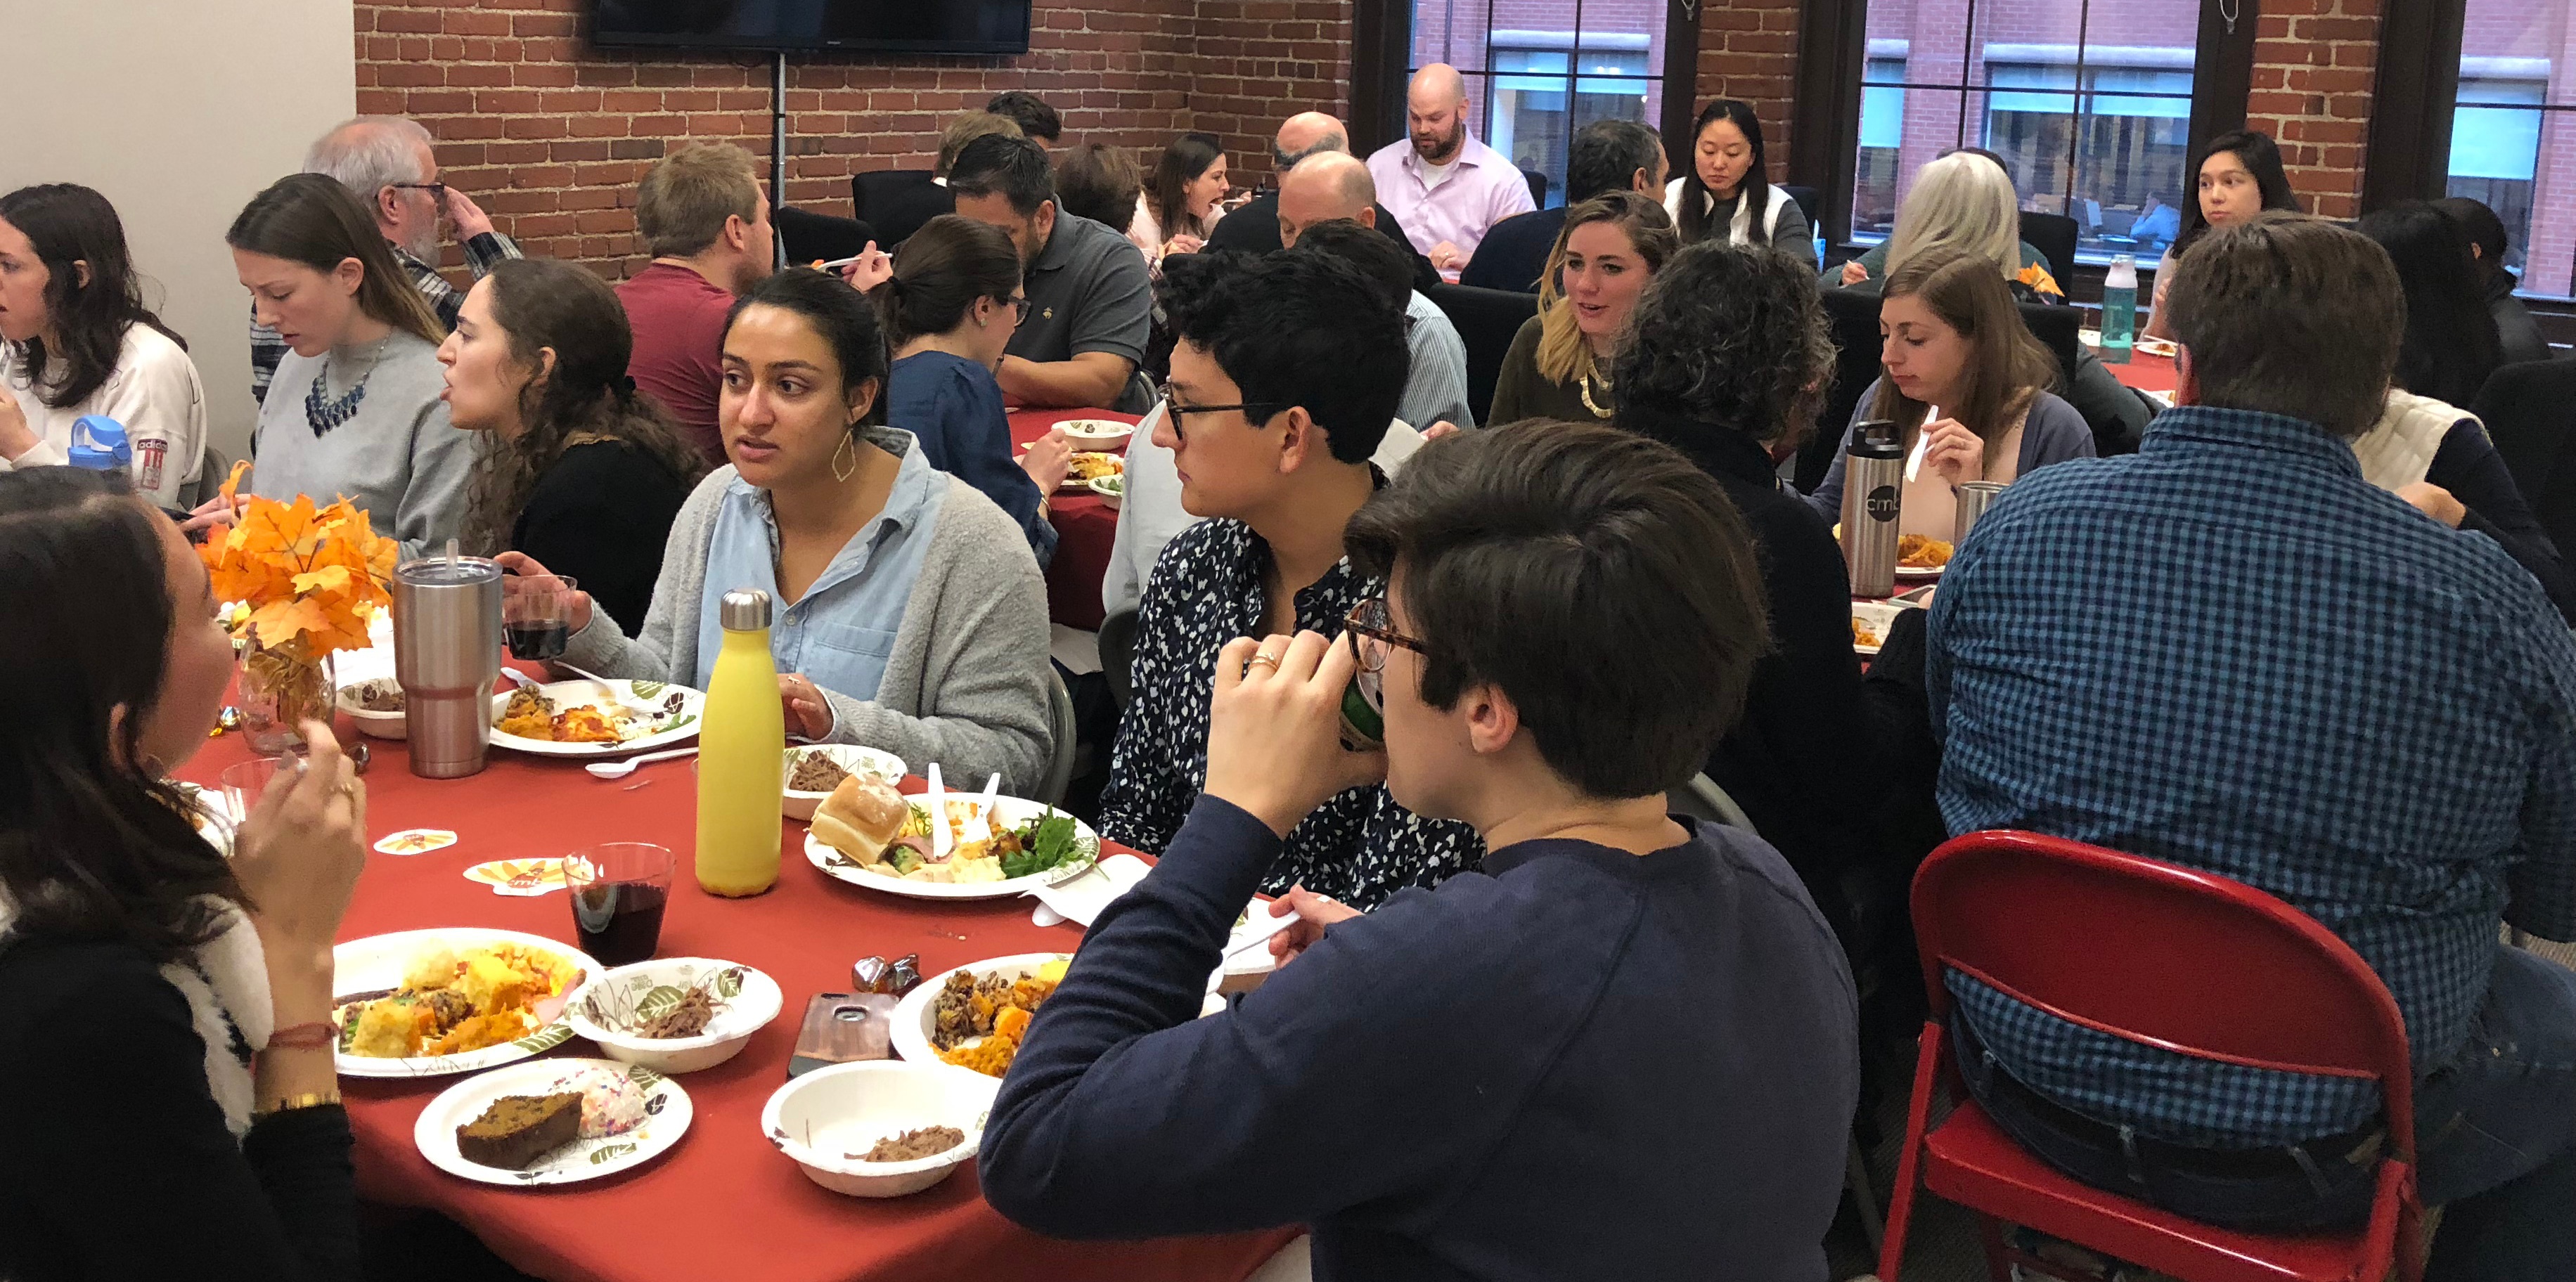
x=1111 y=489
x=1097 y=434
x=746 y=1013
x=377 y=725
x=852 y=757
x=820 y=1118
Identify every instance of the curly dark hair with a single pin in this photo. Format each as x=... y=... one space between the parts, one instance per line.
x=1727 y=336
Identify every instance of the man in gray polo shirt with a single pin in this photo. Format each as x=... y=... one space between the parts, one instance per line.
x=1091 y=301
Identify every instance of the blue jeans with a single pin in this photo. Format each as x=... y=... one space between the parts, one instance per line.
x=2495 y=1137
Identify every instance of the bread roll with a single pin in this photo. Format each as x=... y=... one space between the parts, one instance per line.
x=861 y=817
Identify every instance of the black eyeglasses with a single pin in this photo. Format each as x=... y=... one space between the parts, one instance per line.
x=1019 y=309
x=437 y=191
x=1372 y=619
x=1259 y=412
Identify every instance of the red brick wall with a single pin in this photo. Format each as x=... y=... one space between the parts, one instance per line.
x=2313 y=63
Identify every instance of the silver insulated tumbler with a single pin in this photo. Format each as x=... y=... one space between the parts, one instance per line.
x=447 y=654
x=1974 y=498
x=1873 y=487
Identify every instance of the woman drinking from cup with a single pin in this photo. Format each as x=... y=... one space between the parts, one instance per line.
x=584 y=474
x=2239 y=176
x=1559 y=363
x=910 y=616
x=1726 y=195
x=1952 y=341
x=165 y=1036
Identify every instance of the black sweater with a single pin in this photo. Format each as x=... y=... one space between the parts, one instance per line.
x=601 y=514
x=1576 y=1063
x=114 y=1158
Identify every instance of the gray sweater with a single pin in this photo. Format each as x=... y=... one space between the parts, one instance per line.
x=397 y=458
x=966 y=685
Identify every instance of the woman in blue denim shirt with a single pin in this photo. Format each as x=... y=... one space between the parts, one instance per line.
x=911 y=616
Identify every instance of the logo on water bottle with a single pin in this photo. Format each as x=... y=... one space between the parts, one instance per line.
x=1882 y=503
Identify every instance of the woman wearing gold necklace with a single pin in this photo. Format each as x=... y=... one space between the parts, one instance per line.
x=1559 y=364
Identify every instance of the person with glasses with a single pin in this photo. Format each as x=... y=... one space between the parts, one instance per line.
x=1621 y=1049
x=388 y=163
x=1284 y=375
x=950 y=310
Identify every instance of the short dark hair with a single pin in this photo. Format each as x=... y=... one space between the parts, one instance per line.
x=2451 y=341
x=1377 y=257
x=844 y=319
x=1098 y=182
x=2484 y=228
x=1606 y=155
x=1533 y=557
x=71 y=224
x=1302 y=329
x=1034 y=117
x=2290 y=315
x=1014 y=167
x=1727 y=335
x=940 y=272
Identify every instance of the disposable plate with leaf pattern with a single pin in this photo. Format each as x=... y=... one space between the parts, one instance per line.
x=1008 y=812
x=625 y=998
x=675 y=712
x=667 y=1113
x=375 y=966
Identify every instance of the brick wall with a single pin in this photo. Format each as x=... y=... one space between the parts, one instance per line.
x=1749 y=49
x=550 y=134
x=2313 y=63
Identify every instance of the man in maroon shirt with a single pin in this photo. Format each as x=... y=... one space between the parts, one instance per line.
x=702 y=215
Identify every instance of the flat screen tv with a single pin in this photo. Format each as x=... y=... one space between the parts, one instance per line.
x=893 y=26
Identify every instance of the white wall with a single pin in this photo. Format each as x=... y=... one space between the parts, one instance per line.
x=179 y=111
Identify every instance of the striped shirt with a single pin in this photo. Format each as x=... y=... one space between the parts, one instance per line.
x=445 y=299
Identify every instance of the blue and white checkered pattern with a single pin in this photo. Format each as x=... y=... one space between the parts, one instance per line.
x=2230 y=652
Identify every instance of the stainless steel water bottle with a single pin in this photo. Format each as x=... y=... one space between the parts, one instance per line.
x=1873 y=490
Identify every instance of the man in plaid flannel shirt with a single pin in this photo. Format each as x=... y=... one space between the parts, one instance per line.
x=387 y=162
x=2230 y=652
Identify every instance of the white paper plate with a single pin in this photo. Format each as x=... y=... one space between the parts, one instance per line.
x=573 y=694
x=912 y=1020
x=1879 y=616
x=667 y=1107
x=378 y=961
x=1081 y=899
x=1009 y=812
x=1915 y=573
x=654 y=986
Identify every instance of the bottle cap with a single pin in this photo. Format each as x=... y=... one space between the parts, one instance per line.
x=98 y=444
x=744 y=610
x=1877 y=438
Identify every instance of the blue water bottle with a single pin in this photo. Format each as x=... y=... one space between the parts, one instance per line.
x=2119 y=310
x=98 y=444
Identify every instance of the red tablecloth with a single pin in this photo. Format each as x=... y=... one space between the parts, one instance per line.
x=2145 y=373
x=1084 y=524
x=723 y=1203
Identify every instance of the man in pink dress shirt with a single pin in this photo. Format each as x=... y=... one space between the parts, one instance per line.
x=1444 y=187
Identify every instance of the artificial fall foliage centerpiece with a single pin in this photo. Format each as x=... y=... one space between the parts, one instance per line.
x=310 y=577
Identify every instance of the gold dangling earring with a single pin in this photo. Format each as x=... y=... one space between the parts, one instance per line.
x=849 y=445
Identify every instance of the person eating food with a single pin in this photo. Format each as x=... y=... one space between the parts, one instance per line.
x=908 y=615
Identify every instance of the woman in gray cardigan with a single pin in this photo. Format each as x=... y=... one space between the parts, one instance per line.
x=910 y=613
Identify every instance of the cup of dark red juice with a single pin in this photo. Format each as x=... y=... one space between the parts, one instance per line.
x=619 y=891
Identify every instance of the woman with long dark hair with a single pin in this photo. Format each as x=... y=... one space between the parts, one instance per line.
x=909 y=615
x=2425 y=448
x=1183 y=199
x=355 y=406
x=166 y=1076
x=79 y=341
x=950 y=309
x=584 y=474
x=2237 y=176
x=1726 y=193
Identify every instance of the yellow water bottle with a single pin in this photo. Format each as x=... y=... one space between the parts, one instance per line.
x=742 y=755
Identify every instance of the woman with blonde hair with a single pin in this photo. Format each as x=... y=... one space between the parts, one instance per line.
x=1966 y=383
x=1963 y=201
x=1559 y=363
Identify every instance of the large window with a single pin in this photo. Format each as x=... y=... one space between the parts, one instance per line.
x=1553 y=67
x=2513 y=132
x=2090 y=107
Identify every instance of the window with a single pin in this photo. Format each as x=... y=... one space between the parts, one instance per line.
x=1561 y=66
x=2090 y=107
x=2513 y=132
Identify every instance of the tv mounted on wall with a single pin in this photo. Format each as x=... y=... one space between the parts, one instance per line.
x=890 y=26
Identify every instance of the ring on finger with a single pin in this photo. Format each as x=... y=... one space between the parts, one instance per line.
x=1264 y=657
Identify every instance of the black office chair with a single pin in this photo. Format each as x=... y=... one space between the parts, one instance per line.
x=898 y=201
x=1117 y=639
x=1538 y=186
x=1487 y=319
x=1807 y=198
x=811 y=237
x=2055 y=327
x=2530 y=413
x=2053 y=235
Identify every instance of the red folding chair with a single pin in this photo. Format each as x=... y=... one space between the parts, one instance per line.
x=2175 y=958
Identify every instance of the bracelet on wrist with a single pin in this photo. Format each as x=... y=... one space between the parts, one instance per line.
x=301 y=1100
x=308 y=1037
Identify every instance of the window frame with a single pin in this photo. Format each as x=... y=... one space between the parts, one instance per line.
x=1382 y=58
x=1833 y=54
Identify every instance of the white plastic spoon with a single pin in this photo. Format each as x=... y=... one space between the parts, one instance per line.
x=621 y=769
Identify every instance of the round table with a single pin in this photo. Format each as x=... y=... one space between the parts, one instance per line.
x=1085 y=525
x=723 y=1203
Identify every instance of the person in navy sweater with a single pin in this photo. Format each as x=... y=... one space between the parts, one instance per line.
x=950 y=308
x=1623 y=1048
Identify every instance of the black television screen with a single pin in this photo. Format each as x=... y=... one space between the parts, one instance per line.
x=897 y=26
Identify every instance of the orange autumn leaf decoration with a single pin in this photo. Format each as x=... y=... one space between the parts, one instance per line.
x=311 y=576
